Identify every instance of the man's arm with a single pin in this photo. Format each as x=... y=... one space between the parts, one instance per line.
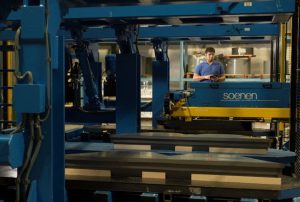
x=198 y=77
x=221 y=78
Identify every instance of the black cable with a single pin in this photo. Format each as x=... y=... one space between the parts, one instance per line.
x=19 y=180
x=38 y=138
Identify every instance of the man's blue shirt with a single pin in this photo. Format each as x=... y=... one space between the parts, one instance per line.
x=215 y=69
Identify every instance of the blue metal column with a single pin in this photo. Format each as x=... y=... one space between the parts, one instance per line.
x=160 y=77
x=181 y=66
x=128 y=106
x=40 y=51
x=97 y=70
x=58 y=146
x=160 y=87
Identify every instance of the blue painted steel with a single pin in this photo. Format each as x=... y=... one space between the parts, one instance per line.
x=35 y=56
x=289 y=193
x=2 y=26
x=177 y=95
x=149 y=197
x=36 y=28
x=211 y=30
x=15 y=15
x=29 y=98
x=12 y=149
x=239 y=95
x=126 y=37
x=160 y=87
x=48 y=172
x=128 y=93
x=58 y=127
x=54 y=53
x=7 y=35
x=87 y=63
x=7 y=48
x=32 y=196
x=188 y=9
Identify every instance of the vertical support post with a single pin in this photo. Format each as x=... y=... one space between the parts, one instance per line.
x=58 y=145
x=87 y=64
x=96 y=68
x=160 y=87
x=128 y=113
x=39 y=39
x=282 y=52
x=295 y=81
x=274 y=61
x=181 y=70
x=160 y=78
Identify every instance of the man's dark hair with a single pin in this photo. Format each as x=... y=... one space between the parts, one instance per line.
x=210 y=49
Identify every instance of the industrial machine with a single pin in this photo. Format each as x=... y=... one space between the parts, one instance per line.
x=232 y=104
x=38 y=165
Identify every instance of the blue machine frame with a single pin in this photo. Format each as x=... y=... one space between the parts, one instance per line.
x=240 y=95
x=42 y=54
x=210 y=30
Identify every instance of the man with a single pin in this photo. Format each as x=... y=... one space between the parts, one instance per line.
x=209 y=70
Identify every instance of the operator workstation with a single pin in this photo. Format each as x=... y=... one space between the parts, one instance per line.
x=157 y=100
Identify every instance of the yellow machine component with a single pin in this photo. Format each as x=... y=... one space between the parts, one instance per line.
x=231 y=112
x=10 y=60
x=281 y=126
x=282 y=52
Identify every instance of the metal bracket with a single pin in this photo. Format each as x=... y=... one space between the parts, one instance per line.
x=87 y=62
x=127 y=38
x=160 y=47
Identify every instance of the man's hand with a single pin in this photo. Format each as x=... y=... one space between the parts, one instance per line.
x=208 y=77
x=214 y=78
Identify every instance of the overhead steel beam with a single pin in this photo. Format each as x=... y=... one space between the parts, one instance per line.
x=189 y=9
x=213 y=30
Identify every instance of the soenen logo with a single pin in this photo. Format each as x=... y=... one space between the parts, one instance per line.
x=240 y=96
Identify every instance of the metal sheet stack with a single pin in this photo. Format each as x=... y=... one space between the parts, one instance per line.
x=200 y=160
x=197 y=169
x=217 y=143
